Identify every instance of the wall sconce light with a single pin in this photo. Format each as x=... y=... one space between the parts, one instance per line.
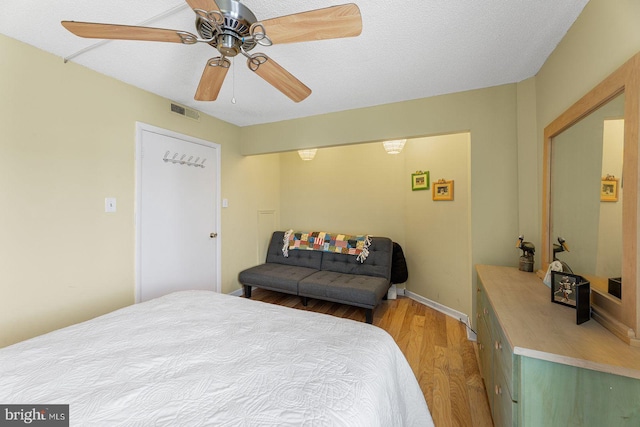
x=307 y=154
x=395 y=146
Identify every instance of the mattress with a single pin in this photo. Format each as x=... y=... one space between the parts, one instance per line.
x=198 y=358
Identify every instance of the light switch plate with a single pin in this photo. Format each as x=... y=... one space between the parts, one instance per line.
x=110 y=204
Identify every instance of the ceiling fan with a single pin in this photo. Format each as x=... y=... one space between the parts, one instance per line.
x=231 y=28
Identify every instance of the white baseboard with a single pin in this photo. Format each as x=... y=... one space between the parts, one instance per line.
x=422 y=300
x=237 y=293
x=471 y=335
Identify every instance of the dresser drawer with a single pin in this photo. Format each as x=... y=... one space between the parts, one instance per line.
x=480 y=302
x=503 y=357
x=504 y=408
x=485 y=353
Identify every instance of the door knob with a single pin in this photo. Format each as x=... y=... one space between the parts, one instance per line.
x=213 y=235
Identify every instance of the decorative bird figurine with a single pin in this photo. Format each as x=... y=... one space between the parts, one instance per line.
x=561 y=247
x=527 y=248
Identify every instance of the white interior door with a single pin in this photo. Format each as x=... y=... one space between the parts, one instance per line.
x=177 y=213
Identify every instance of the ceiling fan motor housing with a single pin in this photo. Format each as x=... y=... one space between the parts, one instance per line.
x=235 y=28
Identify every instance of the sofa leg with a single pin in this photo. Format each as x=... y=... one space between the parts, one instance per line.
x=368 y=312
x=247 y=291
x=304 y=301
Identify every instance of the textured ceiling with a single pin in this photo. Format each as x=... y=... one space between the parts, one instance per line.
x=407 y=50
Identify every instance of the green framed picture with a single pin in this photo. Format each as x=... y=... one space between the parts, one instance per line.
x=420 y=181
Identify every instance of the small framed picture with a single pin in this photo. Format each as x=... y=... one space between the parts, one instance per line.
x=442 y=190
x=609 y=189
x=563 y=288
x=420 y=181
x=573 y=291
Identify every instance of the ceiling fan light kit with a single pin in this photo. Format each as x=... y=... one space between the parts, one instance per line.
x=232 y=29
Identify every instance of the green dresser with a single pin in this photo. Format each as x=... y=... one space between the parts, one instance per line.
x=540 y=368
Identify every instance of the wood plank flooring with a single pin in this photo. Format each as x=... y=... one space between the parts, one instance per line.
x=435 y=346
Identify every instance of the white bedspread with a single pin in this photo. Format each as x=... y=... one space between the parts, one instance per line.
x=199 y=358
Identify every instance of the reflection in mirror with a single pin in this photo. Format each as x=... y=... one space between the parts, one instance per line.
x=580 y=157
x=595 y=244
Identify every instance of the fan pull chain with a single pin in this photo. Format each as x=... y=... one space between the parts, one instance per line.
x=233 y=96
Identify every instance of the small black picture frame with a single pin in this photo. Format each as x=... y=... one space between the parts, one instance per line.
x=573 y=291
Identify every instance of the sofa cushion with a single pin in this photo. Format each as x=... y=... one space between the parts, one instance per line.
x=309 y=259
x=377 y=264
x=274 y=276
x=354 y=289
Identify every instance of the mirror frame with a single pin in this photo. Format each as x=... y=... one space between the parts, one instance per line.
x=620 y=316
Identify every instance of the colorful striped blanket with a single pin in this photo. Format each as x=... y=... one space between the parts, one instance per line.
x=357 y=245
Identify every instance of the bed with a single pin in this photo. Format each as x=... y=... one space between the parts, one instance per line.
x=198 y=358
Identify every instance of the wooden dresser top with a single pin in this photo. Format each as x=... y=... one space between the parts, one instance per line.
x=535 y=327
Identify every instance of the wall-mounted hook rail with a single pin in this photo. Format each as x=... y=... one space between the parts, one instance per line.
x=181 y=161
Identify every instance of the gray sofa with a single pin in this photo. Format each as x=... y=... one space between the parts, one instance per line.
x=325 y=275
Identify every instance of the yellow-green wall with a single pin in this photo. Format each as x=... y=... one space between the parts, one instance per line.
x=438 y=233
x=360 y=189
x=506 y=125
x=68 y=141
x=68 y=138
x=354 y=189
x=488 y=115
x=604 y=36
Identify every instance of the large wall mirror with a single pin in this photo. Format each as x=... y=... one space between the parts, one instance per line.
x=590 y=196
x=585 y=210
